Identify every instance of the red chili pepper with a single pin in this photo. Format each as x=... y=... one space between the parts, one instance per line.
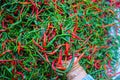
x=71 y=15
x=67 y=48
x=109 y=41
x=109 y=64
x=97 y=64
x=88 y=66
x=77 y=51
x=35 y=8
x=2 y=31
x=46 y=57
x=19 y=48
x=46 y=2
x=97 y=9
x=4 y=43
x=3 y=24
x=21 y=10
x=40 y=47
x=14 y=63
x=104 y=46
x=14 y=67
x=20 y=73
x=53 y=65
x=78 y=59
x=60 y=58
x=49 y=26
x=87 y=39
x=60 y=12
x=49 y=32
x=70 y=56
x=1 y=37
x=37 y=13
x=94 y=0
x=25 y=3
x=94 y=50
x=108 y=56
x=71 y=40
x=19 y=7
x=62 y=1
x=61 y=67
x=89 y=25
x=112 y=2
x=13 y=79
x=75 y=29
x=57 y=77
x=69 y=31
x=42 y=10
x=76 y=25
x=105 y=67
x=4 y=61
x=61 y=25
x=103 y=15
x=52 y=35
x=9 y=51
x=16 y=12
x=54 y=0
x=44 y=39
x=75 y=36
x=60 y=9
x=48 y=75
x=40 y=3
x=9 y=17
x=33 y=3
x=75 y=10
x=53 y=52
x=35 y=66
x=89 y=57
x=20 y=62
x=13 y=71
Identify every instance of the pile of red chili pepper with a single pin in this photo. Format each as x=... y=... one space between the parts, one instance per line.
x=36 y=36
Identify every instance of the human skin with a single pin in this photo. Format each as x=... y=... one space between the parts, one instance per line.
x=76 y=73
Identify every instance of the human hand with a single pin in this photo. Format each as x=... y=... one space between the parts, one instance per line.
x=77 y=72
